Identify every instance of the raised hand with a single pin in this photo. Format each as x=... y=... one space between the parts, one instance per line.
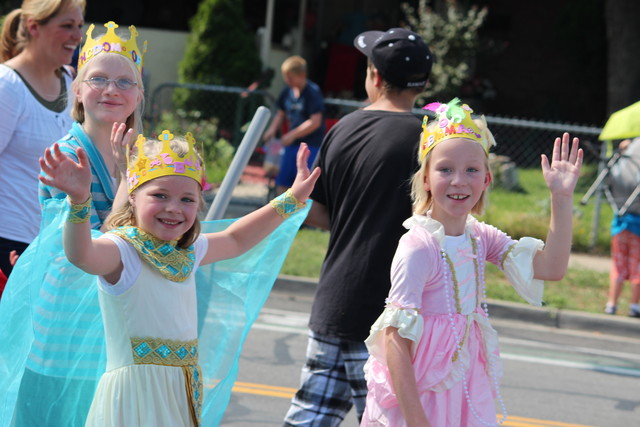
x=65 y=174
x=120 y=140
x=562 y=174
x=305 y=180
x=13 y=257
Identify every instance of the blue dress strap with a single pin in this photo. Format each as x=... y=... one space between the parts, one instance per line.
x=95 y=158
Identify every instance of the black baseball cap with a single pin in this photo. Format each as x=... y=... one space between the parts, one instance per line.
x=400 y=55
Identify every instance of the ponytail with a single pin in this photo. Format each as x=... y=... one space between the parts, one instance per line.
x=11 y=43
x=15 y=37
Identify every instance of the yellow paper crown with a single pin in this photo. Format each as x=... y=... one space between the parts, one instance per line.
x=453 y=121
x=166 y=163
x=110 y=42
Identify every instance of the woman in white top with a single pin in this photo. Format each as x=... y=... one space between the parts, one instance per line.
x=37 y=41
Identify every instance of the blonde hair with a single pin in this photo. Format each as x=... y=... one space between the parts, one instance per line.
x=423 y=199
x=125 y=215
x=294 y=65
x=15 y=37
x=134 y=121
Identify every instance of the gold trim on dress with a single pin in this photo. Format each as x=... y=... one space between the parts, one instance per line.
x=160 y=351
x=183 y=354
x=504 y=256
x=456 y=289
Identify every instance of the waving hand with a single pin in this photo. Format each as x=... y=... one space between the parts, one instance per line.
x=65 y=174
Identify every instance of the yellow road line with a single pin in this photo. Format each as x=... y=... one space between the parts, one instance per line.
x=288 y=392
x=264 y=390
x=514 y=421
x=292 y=391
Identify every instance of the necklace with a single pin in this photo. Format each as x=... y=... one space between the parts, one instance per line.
x=450 y=277
x=173 y=262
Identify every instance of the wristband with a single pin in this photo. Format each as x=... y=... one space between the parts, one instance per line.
x=79 y=212
x=286 y=204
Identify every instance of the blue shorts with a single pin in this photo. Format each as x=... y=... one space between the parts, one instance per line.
x=288 y=169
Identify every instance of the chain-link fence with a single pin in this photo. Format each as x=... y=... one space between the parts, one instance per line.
x=221 y=113
x=210 y=111
x=231 y=108
x=523 y=141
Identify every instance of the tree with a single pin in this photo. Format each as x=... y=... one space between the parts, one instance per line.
x=220 y=50
x=453 y=40
x=623 y=45
x=6 y=6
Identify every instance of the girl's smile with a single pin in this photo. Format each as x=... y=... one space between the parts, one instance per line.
x=457 y=176
x=167 y=206
x=108 y=104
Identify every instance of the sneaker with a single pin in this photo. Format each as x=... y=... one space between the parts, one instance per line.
x=634 y=313
x=610 y=309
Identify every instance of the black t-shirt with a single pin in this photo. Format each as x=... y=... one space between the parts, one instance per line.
x=367 y=161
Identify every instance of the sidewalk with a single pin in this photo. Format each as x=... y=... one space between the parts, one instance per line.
x=543 y=316
x=590 y=262
x=251 y=193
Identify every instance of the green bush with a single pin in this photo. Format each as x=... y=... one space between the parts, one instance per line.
x=220 y=51
x=216 y=151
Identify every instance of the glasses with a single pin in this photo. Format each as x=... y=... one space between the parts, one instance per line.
x=102 y=82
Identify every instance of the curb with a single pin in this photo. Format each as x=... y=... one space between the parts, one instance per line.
x=552 y=317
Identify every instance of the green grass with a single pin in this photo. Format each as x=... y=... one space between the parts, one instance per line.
x=307 y=253
x=583 y=290
x=527 y=213
x=518 y=214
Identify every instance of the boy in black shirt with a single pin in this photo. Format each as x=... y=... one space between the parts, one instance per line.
x=362 y=198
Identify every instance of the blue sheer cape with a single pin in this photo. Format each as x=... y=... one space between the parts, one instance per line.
x=53 y=349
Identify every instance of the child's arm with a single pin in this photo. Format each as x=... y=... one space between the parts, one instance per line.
x=403 y=377
x=305 y=128
x=249 y=230
x=561 y=177
x=274 y=126
x=121 y=138
x=100 y=256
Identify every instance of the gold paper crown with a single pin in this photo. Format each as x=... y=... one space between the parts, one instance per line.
x=112 y=43
x=454 y=121
x=166 y=163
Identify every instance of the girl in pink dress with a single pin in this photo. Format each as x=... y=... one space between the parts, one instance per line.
x=434 y=358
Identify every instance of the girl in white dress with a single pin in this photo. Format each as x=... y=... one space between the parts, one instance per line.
x=146 y=267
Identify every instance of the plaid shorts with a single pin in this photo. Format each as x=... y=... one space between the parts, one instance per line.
x=332 y=381
x=625 y=255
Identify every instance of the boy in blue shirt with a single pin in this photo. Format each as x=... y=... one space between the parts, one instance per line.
x=302 y=104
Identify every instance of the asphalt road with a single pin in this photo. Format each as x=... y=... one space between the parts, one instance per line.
x=553 y=377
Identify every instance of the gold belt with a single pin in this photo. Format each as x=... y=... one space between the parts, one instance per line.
x=184 y=354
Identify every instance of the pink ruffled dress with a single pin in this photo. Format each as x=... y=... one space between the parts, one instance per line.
x=436 y=300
